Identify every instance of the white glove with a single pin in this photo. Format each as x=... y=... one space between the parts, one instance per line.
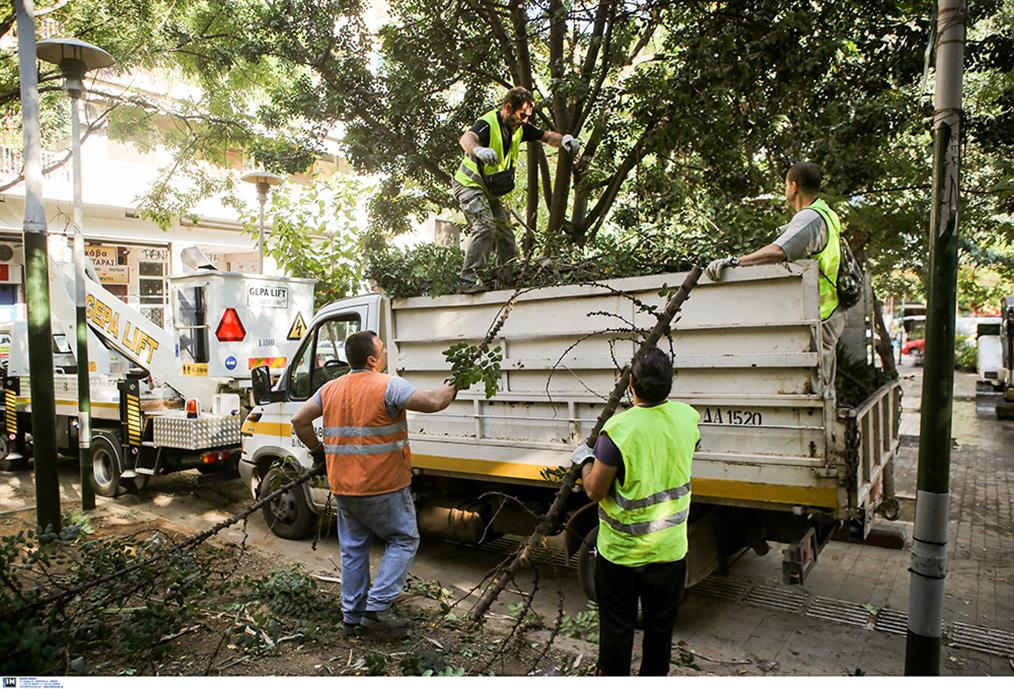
x=582 y=454
x=570 y=144
x=714 y=269
x=486 y=156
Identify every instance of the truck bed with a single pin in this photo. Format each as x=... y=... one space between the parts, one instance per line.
x=746 y=356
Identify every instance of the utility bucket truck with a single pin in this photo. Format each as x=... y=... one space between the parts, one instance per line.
x=776 y=462
x=161 y=400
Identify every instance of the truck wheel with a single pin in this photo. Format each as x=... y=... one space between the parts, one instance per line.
x=288 y=515
x=586 y=563
x=107 y=457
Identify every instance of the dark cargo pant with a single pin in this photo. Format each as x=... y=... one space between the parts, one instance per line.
x=490 y=231
x=658 y=587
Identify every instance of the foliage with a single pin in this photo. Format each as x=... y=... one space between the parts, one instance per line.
x=585 y=625
x=181 y=44
x=522 y=610
x=126 y=617
x=425 y=269
x=471 y=364
x=316 y=233
x=966 y=353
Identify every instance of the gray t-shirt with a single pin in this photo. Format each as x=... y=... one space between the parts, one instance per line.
x=395 y=396
x=803 y=236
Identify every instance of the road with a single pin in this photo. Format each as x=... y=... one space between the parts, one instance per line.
x=849 y=616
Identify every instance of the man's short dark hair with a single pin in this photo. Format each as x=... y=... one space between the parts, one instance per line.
x=517 y=97
x=652 y=373
x=359 y=347
x=807 y=176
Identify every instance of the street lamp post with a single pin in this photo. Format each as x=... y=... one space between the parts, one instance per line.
x=264 y=181
x=75 y=58
x=40 y=331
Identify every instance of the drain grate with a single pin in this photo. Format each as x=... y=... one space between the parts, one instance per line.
x=505 y=545
x=720 y=587
x=985 y=639
x=891 y=621
x=842 y=611
x=779 y=599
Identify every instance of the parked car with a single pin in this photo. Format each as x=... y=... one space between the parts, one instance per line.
x=914 y=347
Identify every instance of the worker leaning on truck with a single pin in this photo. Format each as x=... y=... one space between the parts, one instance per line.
x=369 y=469
x=813 y=232
x=486 y=173
x=639 y=474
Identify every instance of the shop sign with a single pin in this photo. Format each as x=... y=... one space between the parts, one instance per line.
x=113 y=275
x=102 y=255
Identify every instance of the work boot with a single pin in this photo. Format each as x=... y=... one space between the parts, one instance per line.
x=386 y=623
x=469 y=287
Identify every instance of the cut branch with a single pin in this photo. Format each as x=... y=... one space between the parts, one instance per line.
x=552 y=517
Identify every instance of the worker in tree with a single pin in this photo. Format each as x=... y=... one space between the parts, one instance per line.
x=486 y=173
x=813 y=232
x=369 y=469
x=639 y=474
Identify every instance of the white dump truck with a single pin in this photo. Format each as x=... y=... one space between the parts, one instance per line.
x=776 y=461
x=160 y=400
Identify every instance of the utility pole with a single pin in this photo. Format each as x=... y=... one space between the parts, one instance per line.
x=929 y=547
x=74 y=59
x=40 y=332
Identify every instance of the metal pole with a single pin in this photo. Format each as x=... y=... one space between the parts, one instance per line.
x=40 y=334
x=929 y=547
x=84 y=400
x=261 y=198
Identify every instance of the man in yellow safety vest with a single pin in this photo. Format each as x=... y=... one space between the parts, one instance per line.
x=813 y=232
x=486 y=173
x=639 y=474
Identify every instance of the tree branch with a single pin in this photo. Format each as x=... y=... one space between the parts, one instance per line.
x=90 y=129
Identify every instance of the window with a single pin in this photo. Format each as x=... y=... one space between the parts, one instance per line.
x=322 y=357
x=191 y=325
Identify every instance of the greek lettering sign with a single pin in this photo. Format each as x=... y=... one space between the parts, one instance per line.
x=271 y=296
x=101 y=255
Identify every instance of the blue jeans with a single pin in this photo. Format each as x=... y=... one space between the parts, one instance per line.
x=390 y=516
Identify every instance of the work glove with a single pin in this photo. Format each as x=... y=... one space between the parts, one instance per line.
x=570 y=144
x=714 y=269
x=582 y=454
x=317 y=455
x=486 y=156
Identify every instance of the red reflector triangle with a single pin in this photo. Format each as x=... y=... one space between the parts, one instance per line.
x=230 y=328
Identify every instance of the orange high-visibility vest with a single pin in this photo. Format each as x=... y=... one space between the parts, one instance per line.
x=366 y=450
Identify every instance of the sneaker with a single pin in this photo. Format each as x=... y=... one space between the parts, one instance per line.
x=386 y=622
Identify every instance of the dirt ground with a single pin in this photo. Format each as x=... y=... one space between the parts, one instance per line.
x=245 y=622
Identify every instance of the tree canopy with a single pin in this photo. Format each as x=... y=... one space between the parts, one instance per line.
x=690 y=113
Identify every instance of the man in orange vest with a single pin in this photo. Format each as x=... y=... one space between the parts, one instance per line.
x=369 y=469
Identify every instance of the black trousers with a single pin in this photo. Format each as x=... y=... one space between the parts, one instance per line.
x=658 y=587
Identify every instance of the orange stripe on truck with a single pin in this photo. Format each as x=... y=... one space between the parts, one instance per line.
x=269 y=361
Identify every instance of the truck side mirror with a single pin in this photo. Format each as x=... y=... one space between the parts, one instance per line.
x=260 y=378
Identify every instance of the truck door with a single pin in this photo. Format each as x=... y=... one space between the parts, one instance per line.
x=320 y=358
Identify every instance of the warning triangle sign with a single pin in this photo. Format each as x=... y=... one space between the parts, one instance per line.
x=298 y=328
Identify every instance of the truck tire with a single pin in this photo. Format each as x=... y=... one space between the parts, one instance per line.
x=288 y=516
x=107 y=458
x=586 y=563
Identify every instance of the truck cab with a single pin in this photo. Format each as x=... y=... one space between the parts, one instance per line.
x=269 y=444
